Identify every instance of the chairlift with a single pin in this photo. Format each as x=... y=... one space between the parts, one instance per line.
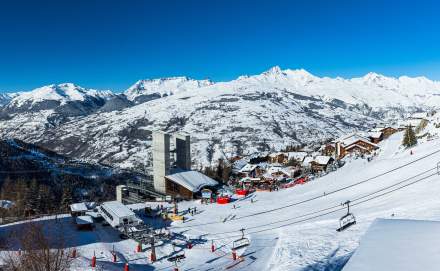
x=347 y=220
x=242 y=242
x=177 y=257
x=438 y=168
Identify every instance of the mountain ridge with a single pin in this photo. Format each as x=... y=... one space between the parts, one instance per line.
x=251 y=114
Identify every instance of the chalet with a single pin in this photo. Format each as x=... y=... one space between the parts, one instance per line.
x=354 y=143
x=250 y=170
x=279 y=157
x=388 y=131
x=187 y=183
x=297 y=156
x=320 y=163
x=328 y=149
x=307 y=160
x=375 y=137
x=277 y=171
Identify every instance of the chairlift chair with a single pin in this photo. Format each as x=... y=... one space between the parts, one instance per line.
x=242 y=242
x=347 y=220
x=177 y=258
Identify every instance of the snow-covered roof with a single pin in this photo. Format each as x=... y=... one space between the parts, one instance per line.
x=239 y=164
x=299 y=156
x=322 y=159
x=6 y=204
x=276 y=154
x=248 y=168
x=375 y=134
x=307 y=160
x=283 y=170
x=84 y=220
x=398 y=244
x=353 y=138
x=79 y=207
x=192 y=180
x=118 y=209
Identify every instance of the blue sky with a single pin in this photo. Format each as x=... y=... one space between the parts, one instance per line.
x=111 y=44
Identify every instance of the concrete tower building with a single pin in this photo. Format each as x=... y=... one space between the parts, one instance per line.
x=161 y=160
x=183 y=151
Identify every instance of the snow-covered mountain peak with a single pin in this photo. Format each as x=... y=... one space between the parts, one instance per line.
x=275 y=70
x=62 y=93
x=164 y=86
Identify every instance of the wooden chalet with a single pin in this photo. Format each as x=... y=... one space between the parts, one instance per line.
x=388 y=131
x=354 y=144
x=279 y=157
x=187 y=184
x=320 y=163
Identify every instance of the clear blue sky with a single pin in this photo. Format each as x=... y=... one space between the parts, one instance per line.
x=111 y=44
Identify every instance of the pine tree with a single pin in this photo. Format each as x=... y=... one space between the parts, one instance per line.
x=31 y=198
x=412 y=137
x=409 y=138
x=66 y=199
x=405 y=141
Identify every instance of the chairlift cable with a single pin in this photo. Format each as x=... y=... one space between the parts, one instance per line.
x=327 y=213
x=317 y=197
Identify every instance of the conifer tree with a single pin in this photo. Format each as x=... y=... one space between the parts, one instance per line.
x=31 y=198
x=409 y=138
x=66 y=199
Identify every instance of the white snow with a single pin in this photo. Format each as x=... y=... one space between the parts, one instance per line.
x=192 y=180
x=398 y=244
x=118 y=209
x=62 y=93
x=287 y=243
x=78 y=207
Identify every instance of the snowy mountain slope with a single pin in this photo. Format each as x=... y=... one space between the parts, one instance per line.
x=288 y=243
x=258 y=120
x=59 y=94
x=144 y=90
x=5 y=98
x=258 y=113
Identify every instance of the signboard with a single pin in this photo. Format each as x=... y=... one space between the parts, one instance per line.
x=206 y=193
x=168 y=198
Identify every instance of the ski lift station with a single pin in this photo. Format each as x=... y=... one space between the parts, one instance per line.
x=398 y=244
x=118 y=215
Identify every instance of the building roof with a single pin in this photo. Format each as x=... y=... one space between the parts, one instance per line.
x=79 y=207
x=322 y=159
x=118 y=209
x=398 y=244
x=275 y=169
x=84 y=220
x=299 y=156
x=191 y=180
x=377 y=134
x=6 y=204
x=276 y=154
x=352 y=138
x=248 y=168
x=307 y=160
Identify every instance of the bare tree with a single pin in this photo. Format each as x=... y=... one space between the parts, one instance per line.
x=37 y=251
